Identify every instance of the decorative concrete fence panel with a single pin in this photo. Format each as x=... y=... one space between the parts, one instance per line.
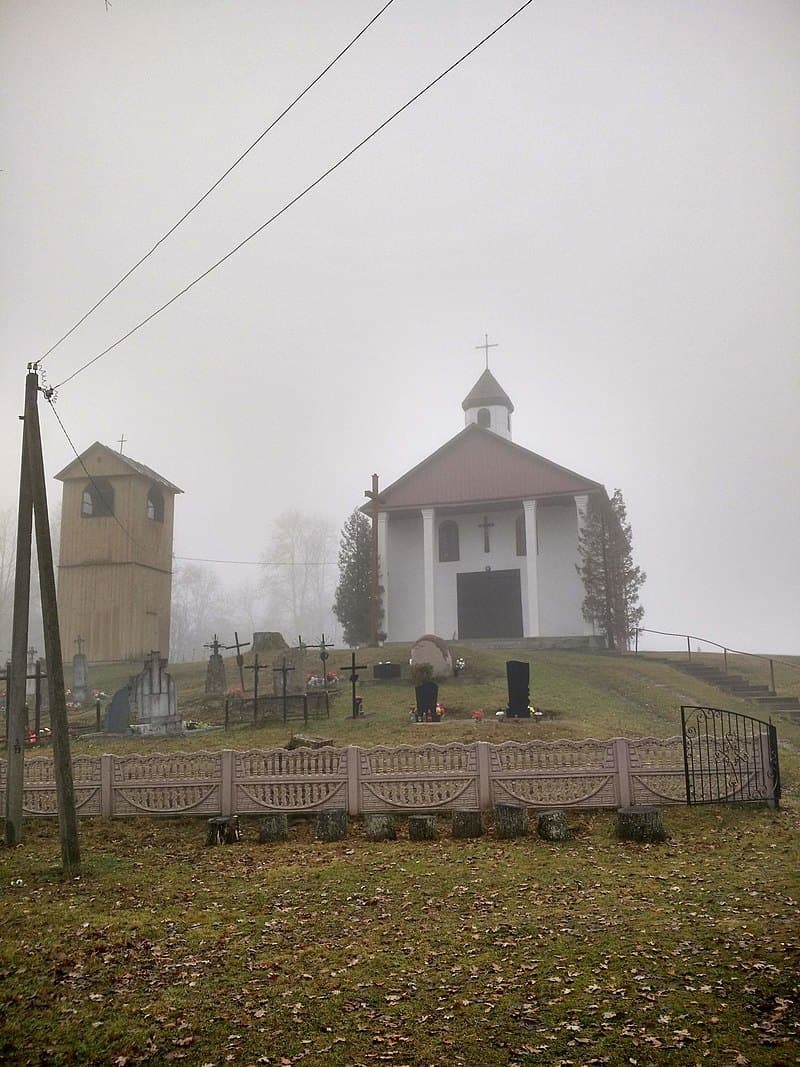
x=427 y=778
x=302 y=780
x=555 y=774
x=400 y=779
x=179 y=783
x=656 y=771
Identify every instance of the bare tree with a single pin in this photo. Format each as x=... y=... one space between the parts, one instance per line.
x=199 y=609
x=299 y=574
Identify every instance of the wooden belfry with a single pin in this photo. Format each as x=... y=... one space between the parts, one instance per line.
x=33 y=509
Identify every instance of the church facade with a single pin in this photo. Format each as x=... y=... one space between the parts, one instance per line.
x=115 y=559
x=480 y=540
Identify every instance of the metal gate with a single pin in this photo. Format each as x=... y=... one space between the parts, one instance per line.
x=729 y=757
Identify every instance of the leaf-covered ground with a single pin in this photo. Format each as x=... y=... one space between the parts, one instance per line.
x=484 y=952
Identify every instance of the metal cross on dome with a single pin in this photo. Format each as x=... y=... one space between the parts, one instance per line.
x=486 y=346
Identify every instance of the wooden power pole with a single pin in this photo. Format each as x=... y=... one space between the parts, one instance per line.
x=65 y=791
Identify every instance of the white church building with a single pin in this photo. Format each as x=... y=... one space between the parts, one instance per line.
x=480 y=540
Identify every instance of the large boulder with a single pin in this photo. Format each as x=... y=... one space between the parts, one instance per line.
x=433 y=650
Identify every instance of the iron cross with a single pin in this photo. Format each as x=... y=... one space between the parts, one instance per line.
x=353 y=667
x=79 y=642
x=486 y=346
x=485 y=527
x=121 y=442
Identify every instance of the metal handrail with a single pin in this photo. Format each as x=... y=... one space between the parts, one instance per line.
x=725 y=650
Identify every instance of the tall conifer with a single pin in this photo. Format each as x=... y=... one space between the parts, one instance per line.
x=352 y=603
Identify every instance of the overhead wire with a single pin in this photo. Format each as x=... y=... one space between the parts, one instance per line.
x=296 y=198
x=217 y=183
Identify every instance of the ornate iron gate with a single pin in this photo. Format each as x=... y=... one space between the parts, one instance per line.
x=729 y=757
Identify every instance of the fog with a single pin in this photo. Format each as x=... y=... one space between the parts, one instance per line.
x=608 y=190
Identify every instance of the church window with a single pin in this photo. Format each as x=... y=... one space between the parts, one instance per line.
x=97 y=500
x=522 y=545
x=484 y=418
x=448 y=542
x=155 y=504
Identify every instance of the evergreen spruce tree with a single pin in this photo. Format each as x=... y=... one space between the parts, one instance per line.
x=611 y=579
x=352 y=603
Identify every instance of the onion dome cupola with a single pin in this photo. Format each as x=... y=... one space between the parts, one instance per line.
x=489 y=406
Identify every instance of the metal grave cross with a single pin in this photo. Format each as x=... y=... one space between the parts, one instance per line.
x=255 y=668
x=353 y=666
x=323 y=647
x=283 y=670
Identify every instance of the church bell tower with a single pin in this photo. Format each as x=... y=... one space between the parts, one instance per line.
x=488 y=405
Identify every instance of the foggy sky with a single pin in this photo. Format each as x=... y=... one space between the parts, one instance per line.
x=609 y=190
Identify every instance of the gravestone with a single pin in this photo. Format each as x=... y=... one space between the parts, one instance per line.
x=30 y=675
x=118 y=712
x=154 y=699
x=427 y=696
x=432 y=649
x=80 y=678
x=215 y=676
x=268 y=641
x=518 y=675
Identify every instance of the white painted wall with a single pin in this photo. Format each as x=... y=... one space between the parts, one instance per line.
x=500 y=418
x=560 y=587
x=405 y=582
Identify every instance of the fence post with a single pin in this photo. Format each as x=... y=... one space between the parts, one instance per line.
x=353 y=782
x=772 y=676
x=484 y=775
x=622 y=767
x=227 y=787
x=689 y=647
x=725 y=657
x=107 y=786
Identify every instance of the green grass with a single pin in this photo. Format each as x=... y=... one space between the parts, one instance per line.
x=485 y=952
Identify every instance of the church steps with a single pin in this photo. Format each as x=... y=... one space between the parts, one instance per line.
x=736 y=685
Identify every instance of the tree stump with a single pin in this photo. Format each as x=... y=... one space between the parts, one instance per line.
x=510 y=821
x=422 y=827
x=552 y=826
x=467 y=824
x=380 y=827
x=331 y=825
x=273 y=828
x=641 y=823
x=223 y=830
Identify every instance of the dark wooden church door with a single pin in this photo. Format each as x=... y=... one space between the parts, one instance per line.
x=489 y=604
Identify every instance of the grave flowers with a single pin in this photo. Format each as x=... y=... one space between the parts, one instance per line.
x=459 y=665
x=478 y=715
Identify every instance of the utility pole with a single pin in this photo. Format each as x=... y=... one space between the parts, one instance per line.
x=373 y=593
x=15 y=768
x=65 y=791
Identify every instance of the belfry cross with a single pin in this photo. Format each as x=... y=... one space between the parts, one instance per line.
x=121 y=442
x=486 y=346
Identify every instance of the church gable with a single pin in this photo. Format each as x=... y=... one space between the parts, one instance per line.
x=100 y=460
x=478 y=466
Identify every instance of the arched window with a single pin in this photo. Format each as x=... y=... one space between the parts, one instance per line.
x=155 y=504
x=448 y=542
x=484 y=418
x=522 y=544
x=97 y=500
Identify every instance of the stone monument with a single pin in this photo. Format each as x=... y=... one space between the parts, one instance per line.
x=80 y=675
x=215 y=672
x=154 y=700
x=432 y=649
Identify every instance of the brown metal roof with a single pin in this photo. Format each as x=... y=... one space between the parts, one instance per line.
x=75 y=469
x=478 y=466
x=487 y=390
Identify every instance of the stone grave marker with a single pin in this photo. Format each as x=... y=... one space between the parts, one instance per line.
x=80 y=678
x=518 y=675
x=118 y=712
x=433 y=650
x=154 y=699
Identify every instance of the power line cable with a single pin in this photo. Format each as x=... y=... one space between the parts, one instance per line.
x=256 y=562
x=296 y=198
x=218 y=182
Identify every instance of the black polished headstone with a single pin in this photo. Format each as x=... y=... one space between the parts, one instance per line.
x=118 y=712
x=518 y=675
x=427 y=696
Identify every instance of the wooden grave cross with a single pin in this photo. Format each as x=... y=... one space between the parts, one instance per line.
x=256 y=667
x=354 y=678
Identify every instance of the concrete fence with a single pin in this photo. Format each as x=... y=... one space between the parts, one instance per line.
x=400 y=779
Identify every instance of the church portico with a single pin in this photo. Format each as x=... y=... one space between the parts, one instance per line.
x=480 y=540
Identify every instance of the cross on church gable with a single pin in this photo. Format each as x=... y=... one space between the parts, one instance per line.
x=485 y=526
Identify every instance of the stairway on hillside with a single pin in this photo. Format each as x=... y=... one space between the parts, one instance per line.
x=737 y=686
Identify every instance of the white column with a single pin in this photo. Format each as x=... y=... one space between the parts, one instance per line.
x=532 y=567
x=383 y=567
x=581 y=511
x=428 y=549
